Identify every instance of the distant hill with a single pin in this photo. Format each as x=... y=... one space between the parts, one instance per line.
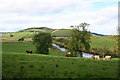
x=37 y=29
x=55 y=32
x=4 y=32
x=40 y=28
x=98 y=34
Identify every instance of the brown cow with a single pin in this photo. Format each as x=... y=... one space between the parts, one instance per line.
x=68 y=55
x=29 y=51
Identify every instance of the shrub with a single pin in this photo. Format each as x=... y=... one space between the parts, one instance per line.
x=21 y=39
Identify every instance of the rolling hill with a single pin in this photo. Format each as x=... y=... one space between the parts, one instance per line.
x=96 y=41
x=55 y=32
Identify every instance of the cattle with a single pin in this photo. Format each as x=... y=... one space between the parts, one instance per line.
x=107 y=58
x=29 y=51
x=96 y=57
x=68 y=55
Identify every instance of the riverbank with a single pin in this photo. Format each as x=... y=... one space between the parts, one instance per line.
x=85 y=55
x=95 y=51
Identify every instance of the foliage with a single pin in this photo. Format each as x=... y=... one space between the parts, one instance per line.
x=42 y=41
x=61 y=40
x=11 y=35
x=21 y=39
x=80 y=39
x=105 y=52
x=115 y=51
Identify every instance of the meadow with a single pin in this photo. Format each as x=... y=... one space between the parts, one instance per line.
x=102 y=42
x=16 y=63
x=96 y=41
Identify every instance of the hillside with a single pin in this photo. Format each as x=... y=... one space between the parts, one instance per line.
x=18 y=64
x=61 y=33
x=55 y=32
x=96 y=41
x=37 y=29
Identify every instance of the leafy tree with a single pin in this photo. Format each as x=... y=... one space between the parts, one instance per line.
x=42 y=41
x=11 y=35
x=80 y=39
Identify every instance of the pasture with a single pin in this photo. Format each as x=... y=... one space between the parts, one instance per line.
x=17 y=63
x=102 y=42
x=96 y=41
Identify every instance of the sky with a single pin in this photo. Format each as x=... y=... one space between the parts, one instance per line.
x=102 y=15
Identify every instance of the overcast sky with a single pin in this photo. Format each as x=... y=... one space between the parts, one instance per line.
x=102 y=15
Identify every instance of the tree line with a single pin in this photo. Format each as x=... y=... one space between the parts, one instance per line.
x=79 y=40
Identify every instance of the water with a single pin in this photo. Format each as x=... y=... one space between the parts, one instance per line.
x=85 y=55
x=62 y=49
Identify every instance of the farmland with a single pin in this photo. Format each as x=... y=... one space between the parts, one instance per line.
x=96 y=41
x=18 y=64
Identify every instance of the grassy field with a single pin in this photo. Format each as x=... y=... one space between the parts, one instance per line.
x=96 y=41
x=18 y=64
x=61 y=33
x=102 y=42
x=16 y=35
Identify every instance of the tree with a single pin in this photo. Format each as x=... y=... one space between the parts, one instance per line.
x=11 y=35
x=42 y=41
x=21 y=39
x=79 y=40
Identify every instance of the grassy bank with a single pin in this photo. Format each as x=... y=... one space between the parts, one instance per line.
x=18 y=64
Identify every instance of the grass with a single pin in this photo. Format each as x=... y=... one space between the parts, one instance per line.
x=18 y=64
x=61 y=33
x=21 y=47
x=16 y=35
x=102 y=42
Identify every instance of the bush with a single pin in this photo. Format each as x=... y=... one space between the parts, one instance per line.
x=11 y=35
x=21 y=39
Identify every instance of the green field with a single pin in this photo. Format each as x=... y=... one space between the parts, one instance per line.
x=17 y=63
x=61 y=33
x=102 y=42
x=17 y=35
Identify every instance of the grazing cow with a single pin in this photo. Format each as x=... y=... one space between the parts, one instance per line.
x=96 y=57
x=68 y=55
x=29 y=51
x=107 y=58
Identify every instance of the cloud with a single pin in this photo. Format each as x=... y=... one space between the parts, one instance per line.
x=102 y=21
x=39 y=6
x=19 y=14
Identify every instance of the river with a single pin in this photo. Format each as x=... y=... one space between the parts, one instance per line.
x=85 y=55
